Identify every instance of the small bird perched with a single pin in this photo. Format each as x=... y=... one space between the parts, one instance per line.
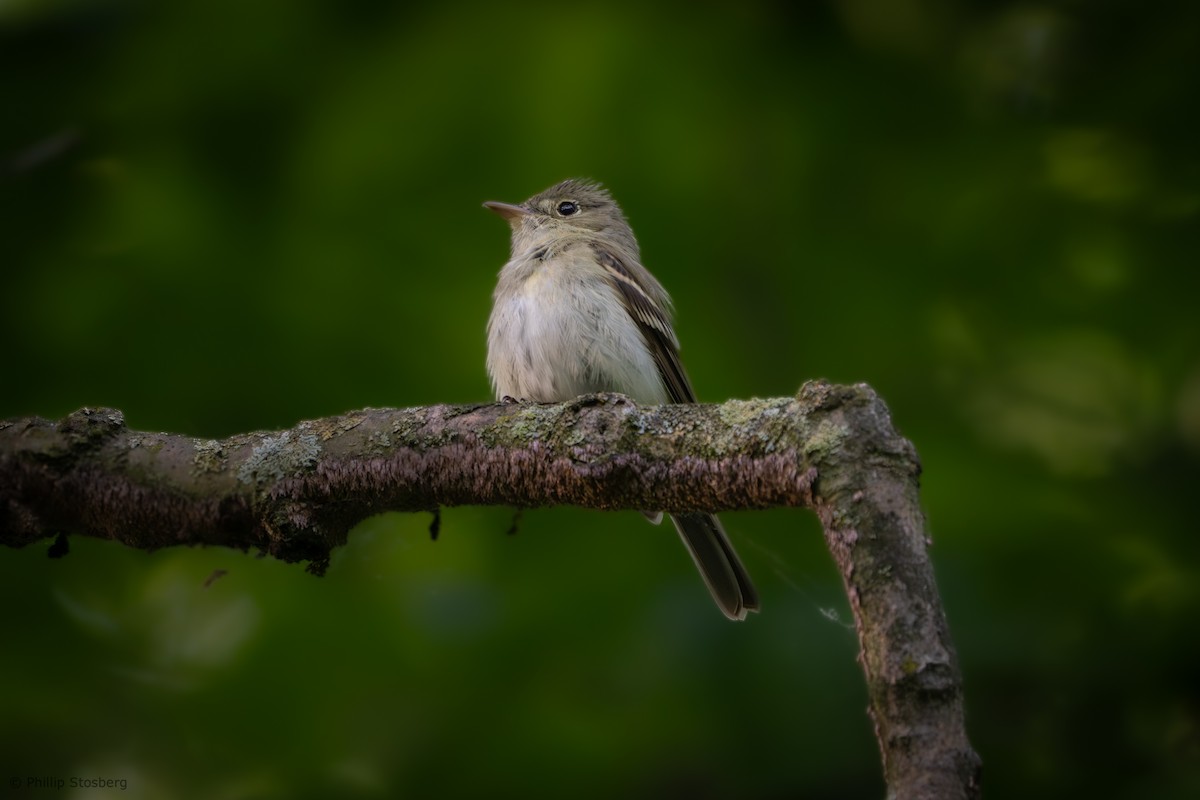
x=575 y=312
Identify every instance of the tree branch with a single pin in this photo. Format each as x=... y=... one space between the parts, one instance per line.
x=295 y=494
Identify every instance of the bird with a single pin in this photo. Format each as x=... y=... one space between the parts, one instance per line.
x=575 y=312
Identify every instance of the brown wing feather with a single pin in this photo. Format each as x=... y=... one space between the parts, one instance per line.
x=654 y=324
x=703 y=535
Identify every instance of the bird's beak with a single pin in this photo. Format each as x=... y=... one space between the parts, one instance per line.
x=507 y=210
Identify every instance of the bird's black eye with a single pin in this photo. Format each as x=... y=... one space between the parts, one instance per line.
x=567 y=208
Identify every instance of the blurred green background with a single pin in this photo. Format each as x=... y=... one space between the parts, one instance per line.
x=228 y=216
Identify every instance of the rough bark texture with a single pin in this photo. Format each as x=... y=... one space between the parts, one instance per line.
x=295 y=494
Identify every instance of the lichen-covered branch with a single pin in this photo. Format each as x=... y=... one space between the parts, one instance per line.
x=295 y=494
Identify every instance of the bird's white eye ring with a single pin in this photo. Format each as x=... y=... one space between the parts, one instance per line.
x=568 y=207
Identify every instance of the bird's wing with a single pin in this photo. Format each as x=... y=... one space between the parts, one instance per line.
x=652 y=321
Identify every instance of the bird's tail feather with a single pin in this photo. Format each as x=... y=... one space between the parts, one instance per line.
x=719 y=565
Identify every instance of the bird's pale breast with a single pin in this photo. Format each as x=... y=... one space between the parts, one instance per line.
x=563 y=331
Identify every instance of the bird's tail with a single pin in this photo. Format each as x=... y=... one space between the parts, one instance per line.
x=719 y=565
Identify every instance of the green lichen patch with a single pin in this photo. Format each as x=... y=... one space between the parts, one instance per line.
x=379 y=442
x=277 y=457
x=825 y=440
x=769 y=422
x=208 y=456
x=405 y=427
x=326 y=429
x=740 y=413
x=527 y=423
